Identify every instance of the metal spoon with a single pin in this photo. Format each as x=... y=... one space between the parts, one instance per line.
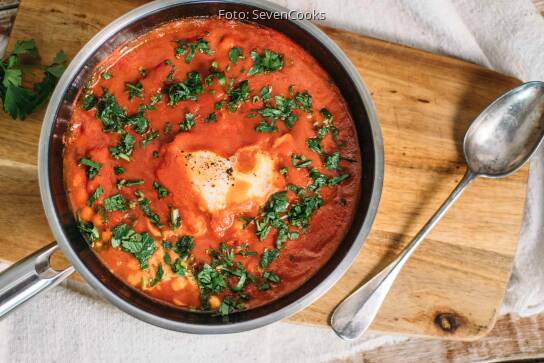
x=499 y=141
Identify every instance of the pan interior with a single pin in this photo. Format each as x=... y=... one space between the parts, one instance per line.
x=91 y=265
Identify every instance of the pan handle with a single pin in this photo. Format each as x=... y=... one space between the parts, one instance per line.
x=28 y=277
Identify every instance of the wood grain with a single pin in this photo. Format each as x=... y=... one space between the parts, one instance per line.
x=512 y=338
x=454 y=283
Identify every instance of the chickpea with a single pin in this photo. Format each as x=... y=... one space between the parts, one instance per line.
x=86 y=213
x=214 y=302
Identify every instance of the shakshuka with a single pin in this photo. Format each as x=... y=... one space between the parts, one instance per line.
x=212 y=165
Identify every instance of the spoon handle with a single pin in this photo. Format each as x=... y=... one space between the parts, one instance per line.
x=355 y=314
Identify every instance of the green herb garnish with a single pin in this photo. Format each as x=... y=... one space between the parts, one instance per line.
x=97 y=193
x=134 y=90
x=162 y=192
x=188 y=122
x=268 y=61
x=186 y=90
x=115 y=203
x=190 y=49
x=92 y=167
x=235 y=54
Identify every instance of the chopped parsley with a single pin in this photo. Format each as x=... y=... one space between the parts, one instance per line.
x=283 y=110
x=268 y=256
x=105 y=75
x=188 y=122
x=190 y=49
x=118 y=170
x=212 y=117
x=230 y=305
x=138 y=122
x=332 y=161
x=115 y=203
x=175 y=219
x=266 y=93
x=110 y=113
x=158 y=276
x=185 y=90
x=304 y=101
x=337 y=179
x=129 y=183
x=300 y=161
x=92 y=167
x=266 y=62
x=146 y=208
x=265 y=126
x=235 y=53
x=299 y=214
x=271 y=276
x=94 y=197
x=134 y=90
x=220 y=76
x=238 y=95
x=184 y=246
x=88 y=230
x=150 y=136
x=162 y=192
x=141 y=245
x=89 y=101
x=314 y=144
x=124 y=149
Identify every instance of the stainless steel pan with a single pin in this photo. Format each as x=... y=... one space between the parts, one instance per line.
x=33 y=274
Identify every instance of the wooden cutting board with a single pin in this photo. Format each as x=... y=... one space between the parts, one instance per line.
x=453 y=285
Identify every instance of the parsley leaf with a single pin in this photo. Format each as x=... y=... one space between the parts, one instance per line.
x=304 y=101
x=268 y=61
x=185 y=90
x=184 y=246
x=211 y=279
x=268 y=256
x=265 y=126
x=97 y=193
x=175 y=219
x=188 y=122
x=110 y=113
x=337 y=179
x=134 y=90
x=124 y=149
x=146 y=208
x=142 y=246
x=283 y=110
x=92 y=167
x=88 y=230
x=115 y=203
x=212 y=117
x=158 y=277
x=190 y=49
x=139 y=123
x=238 y=95
x=235 y=53
x=162 y=192
x=266 y=93
x=300 y=161
x=150 y=136
x=17 y=100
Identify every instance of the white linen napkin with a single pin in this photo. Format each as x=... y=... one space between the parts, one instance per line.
x=71 y=323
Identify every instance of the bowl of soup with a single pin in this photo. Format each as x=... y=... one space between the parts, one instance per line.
x=209 y=174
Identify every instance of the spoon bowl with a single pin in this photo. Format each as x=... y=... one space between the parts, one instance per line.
x=507 y=133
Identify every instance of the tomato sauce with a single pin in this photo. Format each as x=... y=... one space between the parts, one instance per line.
x=204 y=195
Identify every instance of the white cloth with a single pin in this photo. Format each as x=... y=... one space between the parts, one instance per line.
x=71 y=323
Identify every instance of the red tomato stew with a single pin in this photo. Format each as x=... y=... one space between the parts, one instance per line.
x=212 y=164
